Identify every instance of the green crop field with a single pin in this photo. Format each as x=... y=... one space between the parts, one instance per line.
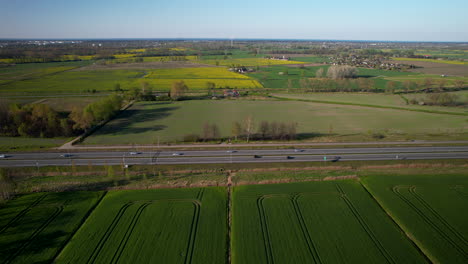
x=432 y=60
x=67 y=104
x=74 y=82
x=105 y=80
x=24 y=143
x=311 y=59
x=248 y=62
x=164 y=226
x=378 y=99
x=278 y=76
x=35 y=227
x=9 y=74
x=144 y=122
x=431 y=209
x=320 y=222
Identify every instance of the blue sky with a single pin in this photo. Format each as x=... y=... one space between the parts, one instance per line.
x=411 y=20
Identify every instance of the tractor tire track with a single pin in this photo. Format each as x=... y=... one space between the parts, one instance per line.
x=412 y=191
x=193 y=231
x=128 y=233
x=22 y=213
x=425 y=218
x=107 y=233
x=310 y=244
x=388 y=257
x=58 y=211
x=265 y=232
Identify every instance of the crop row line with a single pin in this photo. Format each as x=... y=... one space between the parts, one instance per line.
x=425 y=218
x=126 y=237
x=412 y=190
x=310 y=243
x=22 y=213
x=107 y=233
x=365 y=226
x=58 y=211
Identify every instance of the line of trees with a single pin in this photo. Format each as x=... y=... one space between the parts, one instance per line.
x=33 y=120
x=441 y=99
x=96 y=112
x=247 y=130
x=341 y=72
x=339 y=85
x=40 y=120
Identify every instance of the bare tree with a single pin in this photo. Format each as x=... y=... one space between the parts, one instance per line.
x=263 y=129
x=459 y=83
x=390 y=87
x=292 y=130
x=290 y=83
x=178 y=89
x=248 y=126
x=236 y=130
x=442 y=83
x=428 y=82
x=341 y=71
x=319 y=73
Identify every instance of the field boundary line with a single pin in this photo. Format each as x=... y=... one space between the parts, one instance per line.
x=58 y=211
x=412 y=190
x=22 y=213
x=425 y=218
x=371 y=106
x=82 y=223
x=388 y=257
x=396 y=223
x=310 y=243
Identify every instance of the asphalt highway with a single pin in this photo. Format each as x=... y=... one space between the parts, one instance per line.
x=229 y=156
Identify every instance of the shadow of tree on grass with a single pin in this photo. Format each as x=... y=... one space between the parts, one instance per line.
x=124 y=123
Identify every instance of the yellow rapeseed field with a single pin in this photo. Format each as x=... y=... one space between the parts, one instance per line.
x=197 y=78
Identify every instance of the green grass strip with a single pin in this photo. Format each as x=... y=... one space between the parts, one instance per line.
x=367 y=105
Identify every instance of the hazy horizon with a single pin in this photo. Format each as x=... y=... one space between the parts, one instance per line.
x=365 y=20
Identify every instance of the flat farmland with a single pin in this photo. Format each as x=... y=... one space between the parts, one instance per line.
x=378 y=99
x=252 y=62
x=164 y=226
x=196 y=78
x=35 y=227
x=104 y=79
x=431 y=209
x=23 y=143
x=430 y=67
x=144 y=122
x=319 y=222
x=9 y=74
x=74 y=82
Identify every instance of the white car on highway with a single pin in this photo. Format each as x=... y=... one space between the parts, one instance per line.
x=177 y=154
